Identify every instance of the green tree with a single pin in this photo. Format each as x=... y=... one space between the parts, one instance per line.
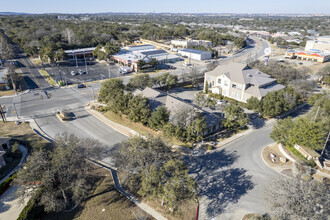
x=253 y=103
x=138 y=109
x=282 y=130
x=206 y=87
x=159 y=118
x=111 y=90
x=111 y=49
x=234 y=117
x=195 y=131
x=141 y=64
x=140 y=81
x=308 y=134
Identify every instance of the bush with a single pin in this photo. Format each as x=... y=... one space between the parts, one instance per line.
x=5 y=184
x=210 y=147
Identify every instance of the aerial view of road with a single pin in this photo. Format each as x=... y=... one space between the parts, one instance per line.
x=191 y=130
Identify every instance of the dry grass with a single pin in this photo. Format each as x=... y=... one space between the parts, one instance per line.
x=36 y=61
x=104 y=202
x=274 y=149
x=7 y=93
x=48 y=78
x=21 y=132
x=141 y=129
x=187 y=209
x=138 y=127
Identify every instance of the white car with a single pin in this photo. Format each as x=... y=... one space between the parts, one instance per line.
x=73 y=73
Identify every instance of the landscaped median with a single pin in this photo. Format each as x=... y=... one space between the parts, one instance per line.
x=48 y=78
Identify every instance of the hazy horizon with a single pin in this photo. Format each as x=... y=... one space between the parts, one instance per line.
x=169 y=6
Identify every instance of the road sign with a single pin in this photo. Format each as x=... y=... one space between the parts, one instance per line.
x=267 y=51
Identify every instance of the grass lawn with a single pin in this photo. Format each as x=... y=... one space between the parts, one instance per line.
x=104 y=202
x=22 y=132
x=48 y=78
x=141 y=129
x=7 y=93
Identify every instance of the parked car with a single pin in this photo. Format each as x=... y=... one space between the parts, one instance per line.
x=172 y=67
x=73 y=73
x=81 y=72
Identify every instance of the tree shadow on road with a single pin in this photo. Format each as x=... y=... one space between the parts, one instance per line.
x=218 y=183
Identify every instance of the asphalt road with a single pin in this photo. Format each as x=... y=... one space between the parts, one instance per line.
x=233 y=179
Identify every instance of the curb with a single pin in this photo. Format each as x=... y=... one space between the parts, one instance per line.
x=108 y=122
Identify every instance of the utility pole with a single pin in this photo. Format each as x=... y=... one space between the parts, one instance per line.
x=3 y=116
x=76 y=60
x=12 y=82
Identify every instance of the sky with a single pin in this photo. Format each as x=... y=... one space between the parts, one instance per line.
x=175 y=6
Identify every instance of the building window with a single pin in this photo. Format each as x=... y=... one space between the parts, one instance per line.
x=239 y=86
x=233 y=94
x=219 y=81
x=225 y=83
x=238 y=96
x=233 y=85
x=212 y=83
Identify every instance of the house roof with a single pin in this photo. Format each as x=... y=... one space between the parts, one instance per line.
x=158 y=98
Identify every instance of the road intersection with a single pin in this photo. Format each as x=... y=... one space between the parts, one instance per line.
x=231 y=179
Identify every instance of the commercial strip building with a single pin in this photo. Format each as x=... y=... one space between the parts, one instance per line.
x=195 y=54
x=133 y=54
x=240 y=82
x=191 y=43
x=174 y=104
x=311 y=55
x=80 y=52
x=320 y=43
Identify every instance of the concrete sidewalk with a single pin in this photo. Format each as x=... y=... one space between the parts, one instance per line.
x=10 y=205
x=118 y=127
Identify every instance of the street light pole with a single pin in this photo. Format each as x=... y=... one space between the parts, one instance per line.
x=85 y=62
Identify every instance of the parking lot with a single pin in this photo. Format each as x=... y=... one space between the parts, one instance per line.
x=95 y=71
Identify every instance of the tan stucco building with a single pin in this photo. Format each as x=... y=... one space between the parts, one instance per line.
x=240 y=82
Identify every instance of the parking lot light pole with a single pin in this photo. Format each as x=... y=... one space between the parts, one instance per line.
x=85 y=62
x=76 y=60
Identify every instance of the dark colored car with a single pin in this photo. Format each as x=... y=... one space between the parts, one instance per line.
x=80 y=86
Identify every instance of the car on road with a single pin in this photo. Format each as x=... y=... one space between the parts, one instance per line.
x=73 y=73
x=65 y=115
x=81 y=72
x=80 y=86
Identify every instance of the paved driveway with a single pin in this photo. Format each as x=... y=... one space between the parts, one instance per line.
x=10 y=206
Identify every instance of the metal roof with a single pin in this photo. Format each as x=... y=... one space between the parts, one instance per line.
x=189 y=50
x=153 y=52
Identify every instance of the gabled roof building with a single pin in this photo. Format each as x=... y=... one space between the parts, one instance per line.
x=173 y=104
x=240 y=82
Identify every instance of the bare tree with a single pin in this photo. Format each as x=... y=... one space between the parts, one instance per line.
x=296 y=198
x=69 y=35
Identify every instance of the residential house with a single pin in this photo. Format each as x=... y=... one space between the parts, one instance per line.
x=173 y=104
x=240 y=82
